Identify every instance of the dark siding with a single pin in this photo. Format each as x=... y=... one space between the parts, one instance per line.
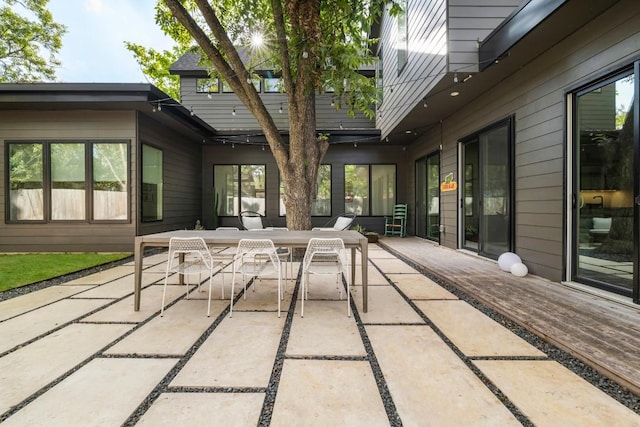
x=182 y=176
x=217 y=111
x=337 y=156
x=68 y=125
x=535 y=96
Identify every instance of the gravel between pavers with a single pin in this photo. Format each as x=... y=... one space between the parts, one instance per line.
x=608 y=386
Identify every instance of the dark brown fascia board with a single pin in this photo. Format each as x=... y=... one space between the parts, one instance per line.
x=101 y=94
x=514 y=27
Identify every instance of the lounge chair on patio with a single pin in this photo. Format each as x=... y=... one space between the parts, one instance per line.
x=338 y=223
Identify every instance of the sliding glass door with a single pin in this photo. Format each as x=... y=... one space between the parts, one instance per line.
x=428 y=197
x=606 y=181
x=486 y=203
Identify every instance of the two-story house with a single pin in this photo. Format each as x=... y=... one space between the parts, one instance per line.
x=506 y=125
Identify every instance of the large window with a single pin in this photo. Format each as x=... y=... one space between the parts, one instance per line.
x=26 y=183
x=240 y=188
x=68 y=192
x=321 y=202
x=151 y=183
x=370 y=189
x=59 y=181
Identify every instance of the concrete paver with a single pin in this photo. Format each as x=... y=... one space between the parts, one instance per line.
x=326 y=377
x=430 y=385
x=27 y=370
x=328 y=393
x=32 y=300
x=173 y=334
x=551 y=395
x=104 y=276
x=324 y=331
x=385 y=306
x=239 y=353
x=23 y=328
x=150 y=301
x=474 y=333
x=417 y=287
x=102 y=393
x=204 y=409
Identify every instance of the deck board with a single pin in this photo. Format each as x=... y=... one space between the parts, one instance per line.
x=602 y=333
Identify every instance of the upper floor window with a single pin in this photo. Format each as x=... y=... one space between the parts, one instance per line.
x=369 y=189
x=152 y=183
x=402 y=39
x=240 y=188
x=207 y=85
x=321 y=202
x=58 y=181
x=272 y=85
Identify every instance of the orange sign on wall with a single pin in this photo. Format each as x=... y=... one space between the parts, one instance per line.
x=448 y=184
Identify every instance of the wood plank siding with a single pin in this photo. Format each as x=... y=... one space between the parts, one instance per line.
x=535 y=96
x=469 y=22
x=337 y=156
x=182 y=154
x=426 y=60
x=182 y=176
x=217 y=110
x=68 y=126
x=443 y=38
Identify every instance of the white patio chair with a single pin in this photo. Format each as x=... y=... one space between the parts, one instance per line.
x=285 y=254
x=222 y=254
x=197 y=260
x=255 y=258
x=325 y=256
x=338 y=223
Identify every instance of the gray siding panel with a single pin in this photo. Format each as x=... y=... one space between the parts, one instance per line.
x=535 y=96
x=470 y=21
x=68 y=125
x=427 y=60
x=218 y=110
x=182 y=177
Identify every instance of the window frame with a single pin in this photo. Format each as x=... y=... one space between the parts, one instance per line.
x=47 y=181
x=370 y=167
x=238 y=180
x=142 y=184
x=280 y=185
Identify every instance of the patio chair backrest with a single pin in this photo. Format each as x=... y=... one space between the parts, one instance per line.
x=338 y=223
x=251 y=220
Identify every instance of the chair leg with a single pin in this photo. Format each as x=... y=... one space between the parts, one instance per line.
x=233 y=283
x=210 y=286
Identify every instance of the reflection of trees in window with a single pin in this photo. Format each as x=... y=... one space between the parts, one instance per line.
x=109 y=181
x=606 y=129
x=25 y=182
x=152 y=182
x=356 y=186
x=68 y=193
x=240 y=188
x=321 y=203
x=67 y=190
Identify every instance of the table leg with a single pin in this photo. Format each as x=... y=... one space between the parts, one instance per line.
x=137 y=280
x=365 y=277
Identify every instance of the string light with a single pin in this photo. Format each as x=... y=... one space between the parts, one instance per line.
x=233 y=145
x=191 y=111
x=233 y=113
x=455 y=77
x=159 y=107
x=280 y=109
x=424 y=103
x=341 y=127
x=209 y=95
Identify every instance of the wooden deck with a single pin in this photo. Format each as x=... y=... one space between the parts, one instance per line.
x=602 y=333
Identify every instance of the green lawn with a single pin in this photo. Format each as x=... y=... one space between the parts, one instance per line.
x=22 y=269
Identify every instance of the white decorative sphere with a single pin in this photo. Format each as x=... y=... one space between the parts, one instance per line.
x=519 y=269
x=507 y=259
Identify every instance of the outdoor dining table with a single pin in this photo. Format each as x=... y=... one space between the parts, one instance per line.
x=281 y=238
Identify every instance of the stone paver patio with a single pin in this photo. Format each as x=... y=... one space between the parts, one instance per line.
x=77 y=354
